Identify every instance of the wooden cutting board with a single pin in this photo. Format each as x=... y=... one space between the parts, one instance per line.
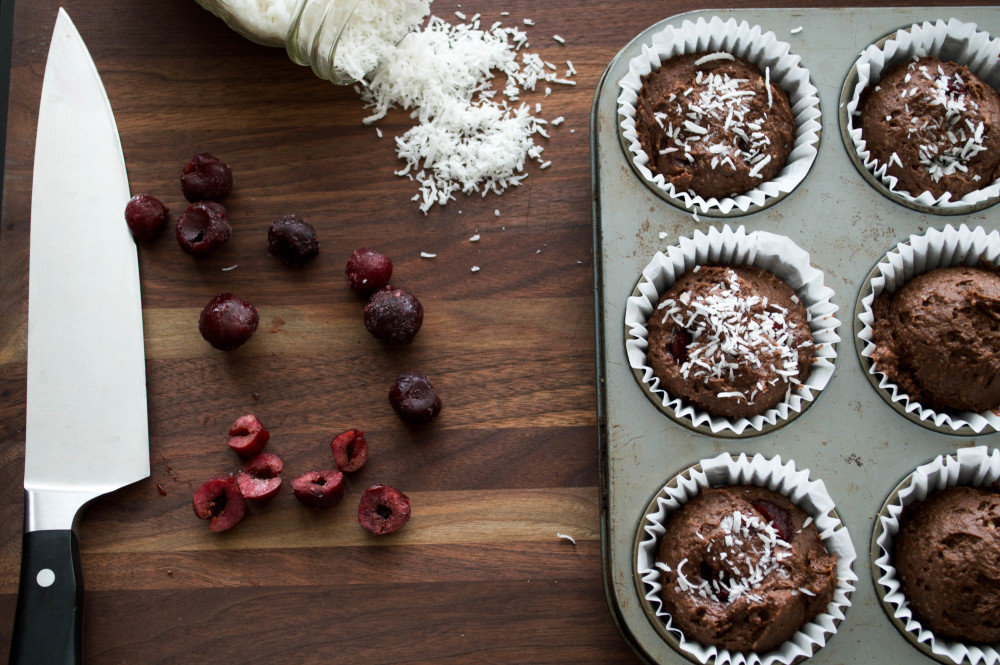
x=484 y=572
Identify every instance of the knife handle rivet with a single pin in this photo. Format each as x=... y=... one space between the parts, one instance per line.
x=45 y=577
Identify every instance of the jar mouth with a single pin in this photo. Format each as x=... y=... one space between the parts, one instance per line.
x=314 y=34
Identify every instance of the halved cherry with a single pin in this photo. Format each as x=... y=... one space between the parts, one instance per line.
x=350 y=450
x=248 y=436
x=219 y=500
x=260 y=476
x=383 y=510
x=319 y=489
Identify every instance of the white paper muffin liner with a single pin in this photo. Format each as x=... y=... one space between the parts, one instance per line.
x=784 y=478
x=774 y=253
x=938 y=248
x=743 y=41
x=953 y=41
x=977 y=467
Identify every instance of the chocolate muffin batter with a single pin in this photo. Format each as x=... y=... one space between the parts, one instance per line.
x=730 y=340
x=936 y=125
x=743 y=569
x=947 y=561
x=937 y=337
x=714 y=124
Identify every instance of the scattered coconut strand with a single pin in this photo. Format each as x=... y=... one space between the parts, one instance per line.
x=567 y=537
x=468 y=138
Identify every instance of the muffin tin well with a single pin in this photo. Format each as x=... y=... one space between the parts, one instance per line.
x=850 y=438
x=775 y=474
x=949 y=40
x=759 y=47
x=977 y=466
x=937 y=248
x=769 y=251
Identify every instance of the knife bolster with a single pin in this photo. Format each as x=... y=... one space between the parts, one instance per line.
x=50 y=510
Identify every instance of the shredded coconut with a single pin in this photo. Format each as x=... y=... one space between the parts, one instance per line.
x=730 y=329
x=468 y=139
x=737 y=576
x=721 y=55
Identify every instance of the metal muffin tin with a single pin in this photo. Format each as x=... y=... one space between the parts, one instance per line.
x=850 y=438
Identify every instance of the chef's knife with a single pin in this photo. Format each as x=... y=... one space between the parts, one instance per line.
x=86 y=432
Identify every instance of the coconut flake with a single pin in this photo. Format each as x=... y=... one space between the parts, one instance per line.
x=711 y=57
x=468 y=137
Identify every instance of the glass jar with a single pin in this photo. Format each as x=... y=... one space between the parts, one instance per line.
x=308 y=29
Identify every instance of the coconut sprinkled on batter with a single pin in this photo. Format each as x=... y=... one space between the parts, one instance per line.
x=730 y=329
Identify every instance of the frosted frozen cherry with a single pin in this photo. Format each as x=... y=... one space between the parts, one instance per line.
x=413 y=398
x=227 y=321
x=394 y=315
x=206 y=177
x=293 y=240
x=368 y=270
x=146 y=216
x=203 y=228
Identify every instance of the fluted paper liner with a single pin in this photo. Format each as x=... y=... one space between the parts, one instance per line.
x=774 y=253
x=954 y=41
x=938 y=248
x=782 y=477
x=977 y=467
x=752 y=44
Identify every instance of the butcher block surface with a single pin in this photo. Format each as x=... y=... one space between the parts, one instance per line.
x=502 y=559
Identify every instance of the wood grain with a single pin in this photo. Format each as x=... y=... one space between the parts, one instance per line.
x=480 y=574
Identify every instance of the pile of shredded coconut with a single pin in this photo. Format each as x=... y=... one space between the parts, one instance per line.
x=469 y=137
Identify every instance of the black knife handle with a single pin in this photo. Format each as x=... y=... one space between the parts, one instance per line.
x=49 y=617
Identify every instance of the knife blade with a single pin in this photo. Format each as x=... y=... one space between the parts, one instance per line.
x=86 y=431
